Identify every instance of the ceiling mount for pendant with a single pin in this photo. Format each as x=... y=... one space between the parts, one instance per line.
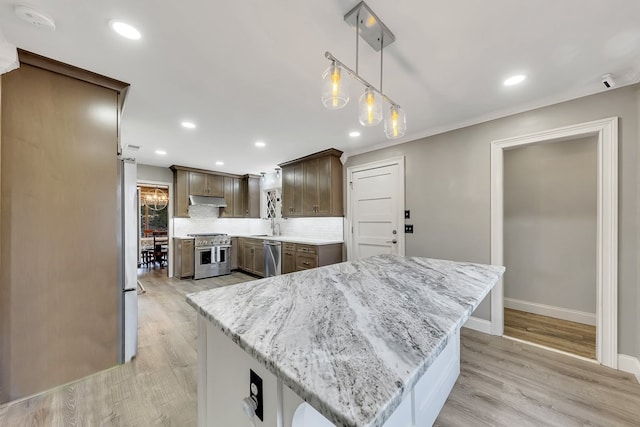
x=371 y=28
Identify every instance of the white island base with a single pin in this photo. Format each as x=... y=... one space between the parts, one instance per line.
x=223 y=382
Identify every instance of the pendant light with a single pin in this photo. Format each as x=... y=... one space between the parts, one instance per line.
x=395 y=124
x=370 y=103
x=370 y=108
x=334 y=91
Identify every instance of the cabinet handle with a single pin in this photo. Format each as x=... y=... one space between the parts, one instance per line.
x=305 y=263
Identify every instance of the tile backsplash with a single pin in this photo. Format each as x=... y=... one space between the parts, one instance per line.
x=311 y=228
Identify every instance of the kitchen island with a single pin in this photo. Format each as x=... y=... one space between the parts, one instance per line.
x=370 y=342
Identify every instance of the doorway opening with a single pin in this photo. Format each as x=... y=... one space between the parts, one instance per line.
x=550 y=251
x=153 y=226
x=606 y=262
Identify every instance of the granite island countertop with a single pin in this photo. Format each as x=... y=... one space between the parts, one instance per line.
x=351 y=339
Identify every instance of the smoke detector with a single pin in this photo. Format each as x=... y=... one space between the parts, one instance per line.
x=34 y=17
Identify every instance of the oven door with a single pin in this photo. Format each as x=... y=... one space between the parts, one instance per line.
x=205 y=262
x=223 y=258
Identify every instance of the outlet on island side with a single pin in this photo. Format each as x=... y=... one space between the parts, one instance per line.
x=408 y=228
x=255 y=391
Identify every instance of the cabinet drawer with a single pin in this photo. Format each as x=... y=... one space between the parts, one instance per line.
x=305 y=262
x=290 y=247
x=307 y=249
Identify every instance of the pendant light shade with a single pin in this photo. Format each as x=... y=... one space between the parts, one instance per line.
x=370 y=108
x=334 y=91
x=395 y=123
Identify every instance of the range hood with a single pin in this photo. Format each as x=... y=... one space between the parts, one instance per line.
x=217 y=202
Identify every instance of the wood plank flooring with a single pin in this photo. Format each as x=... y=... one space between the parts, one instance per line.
x=502 y=382
x=571 y=337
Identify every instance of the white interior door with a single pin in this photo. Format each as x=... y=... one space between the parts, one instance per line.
x=376 y=200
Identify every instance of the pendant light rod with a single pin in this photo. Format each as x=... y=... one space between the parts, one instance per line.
x=355 y=75
x=381 y=50
x=357 y=39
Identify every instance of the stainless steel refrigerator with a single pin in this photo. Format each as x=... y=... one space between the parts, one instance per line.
x=128 y=261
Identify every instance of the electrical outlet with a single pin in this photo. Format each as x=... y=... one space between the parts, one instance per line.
x=255 y=391
x=408 y=228
x=407 y=214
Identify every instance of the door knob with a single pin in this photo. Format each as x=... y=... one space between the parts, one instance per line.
x=394 y=241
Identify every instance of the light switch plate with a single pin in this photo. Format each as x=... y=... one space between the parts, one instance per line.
x=255 y=391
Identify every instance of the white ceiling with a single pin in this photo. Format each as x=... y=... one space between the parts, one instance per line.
x=251 y=70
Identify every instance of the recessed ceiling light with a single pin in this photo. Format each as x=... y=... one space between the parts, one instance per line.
x=354 y=134
x=514 y=80
x=219 y=163
x=125 y=30
x=161 y=152
x=260 y=144
x=188 y=125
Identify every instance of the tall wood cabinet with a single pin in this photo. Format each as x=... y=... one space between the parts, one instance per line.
x=59 y=289
x=312 y=186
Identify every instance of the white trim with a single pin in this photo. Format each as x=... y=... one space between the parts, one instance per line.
x=629 y=364
x=606 y=131
x=348 y=235
x=169 y=220
x=477 y=324
x=551 y=311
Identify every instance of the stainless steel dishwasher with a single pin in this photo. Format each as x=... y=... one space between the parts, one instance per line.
x=272 y=258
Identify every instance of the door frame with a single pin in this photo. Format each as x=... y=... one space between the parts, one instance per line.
x=348 y=229
x=606 y=130
x=148 y=182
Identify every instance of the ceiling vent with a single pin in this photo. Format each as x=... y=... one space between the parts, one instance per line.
x=34 y=17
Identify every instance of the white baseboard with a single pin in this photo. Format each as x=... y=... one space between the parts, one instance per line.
x=629 y=364
x=479 y=325
x=551 y=311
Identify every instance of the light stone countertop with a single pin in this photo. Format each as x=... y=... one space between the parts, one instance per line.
x=352 y=339
x=291 y=239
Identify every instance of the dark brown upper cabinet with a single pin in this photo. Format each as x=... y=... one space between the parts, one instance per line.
x=312 y=185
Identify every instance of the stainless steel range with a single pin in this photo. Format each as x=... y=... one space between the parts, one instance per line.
x=212 y=255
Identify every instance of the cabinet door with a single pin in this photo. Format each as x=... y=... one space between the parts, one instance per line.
x=248 y=257
x=188 y=265
x=198 y=184
x=258 y=260
x=181 y=193
x=324 y=200
x=241 y=247
x=288 y=258
x=310 y=187
x=215 y=185
x=228 y=197
x=234 y=253
x=288 y=188
x=252 y=207
x=292 y=188
x=238 y=198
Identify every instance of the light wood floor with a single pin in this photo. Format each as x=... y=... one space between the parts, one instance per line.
x=502 y=382
x=572 y=337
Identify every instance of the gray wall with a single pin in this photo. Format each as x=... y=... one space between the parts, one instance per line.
x=154 y=173
x=550 y=220
x=448 y=189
